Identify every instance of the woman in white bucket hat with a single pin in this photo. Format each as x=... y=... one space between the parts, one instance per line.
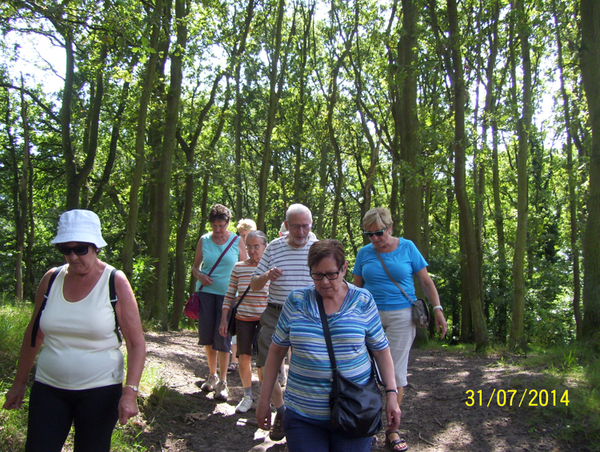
x=80 y=371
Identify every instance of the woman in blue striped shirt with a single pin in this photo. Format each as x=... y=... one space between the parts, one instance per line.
x=354 y=327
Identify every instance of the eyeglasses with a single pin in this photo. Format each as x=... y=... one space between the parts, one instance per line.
x=298 y=226
x=254 y=248
x=377 y=233
x=330 y=275
x=79 y=250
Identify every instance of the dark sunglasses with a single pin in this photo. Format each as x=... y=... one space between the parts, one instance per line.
x=79 y=250
x=377 y=233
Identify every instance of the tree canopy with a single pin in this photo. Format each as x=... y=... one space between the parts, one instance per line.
x=475 y=122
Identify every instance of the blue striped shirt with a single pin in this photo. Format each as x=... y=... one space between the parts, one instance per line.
x=353 y=328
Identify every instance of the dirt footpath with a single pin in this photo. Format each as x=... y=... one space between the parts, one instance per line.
x=435 y=417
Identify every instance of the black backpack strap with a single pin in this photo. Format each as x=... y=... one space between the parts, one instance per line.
x=36 y=323
x=113 y=300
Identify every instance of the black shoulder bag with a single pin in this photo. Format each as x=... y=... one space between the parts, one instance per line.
x=355 y=409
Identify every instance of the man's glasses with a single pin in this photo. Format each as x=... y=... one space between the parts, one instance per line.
x=79 y=250
x=377 y=233
x=306 y=227
x=330 y=275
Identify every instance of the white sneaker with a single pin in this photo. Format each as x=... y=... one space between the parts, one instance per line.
x=221 y=391
x=244 y=405
x=209 y=384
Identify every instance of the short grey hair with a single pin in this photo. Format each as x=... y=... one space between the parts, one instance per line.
x=256 y=233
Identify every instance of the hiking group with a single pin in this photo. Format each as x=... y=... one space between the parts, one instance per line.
x=289 y=297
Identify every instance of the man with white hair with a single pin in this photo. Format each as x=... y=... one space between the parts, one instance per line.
x=284 y=264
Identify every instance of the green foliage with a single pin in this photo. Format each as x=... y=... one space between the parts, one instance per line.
x=359 y=44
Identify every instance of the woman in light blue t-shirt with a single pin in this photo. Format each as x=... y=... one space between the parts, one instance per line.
x=403 y=261
x=213 y=289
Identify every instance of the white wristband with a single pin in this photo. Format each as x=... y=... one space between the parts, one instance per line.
x=438 y=307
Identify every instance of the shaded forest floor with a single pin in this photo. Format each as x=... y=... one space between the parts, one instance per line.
x=178 y=416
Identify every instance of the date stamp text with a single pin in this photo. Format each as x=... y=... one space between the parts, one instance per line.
x=517 y=398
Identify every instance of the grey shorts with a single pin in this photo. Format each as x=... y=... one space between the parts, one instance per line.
x=401 y=332
x=268 y=322
x=209 y=319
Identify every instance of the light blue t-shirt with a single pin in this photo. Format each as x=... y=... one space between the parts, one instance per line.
x=222 y=274
x=402 y=263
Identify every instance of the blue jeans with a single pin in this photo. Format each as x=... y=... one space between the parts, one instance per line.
x=310 y=435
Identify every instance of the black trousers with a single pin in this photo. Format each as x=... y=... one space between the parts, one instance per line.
x=52 y=411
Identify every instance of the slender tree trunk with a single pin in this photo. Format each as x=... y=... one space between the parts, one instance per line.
x=163 y=222
x=263 y=181
x=572 y=176
x=489 y=122
x=297 y=140
x=332 y=100
x=469 y=249
x=517 y=338
x=114 y=142
x=410 y=145
x=72 y=201
x=590 y=68
x=140 y=143
x=237 y=61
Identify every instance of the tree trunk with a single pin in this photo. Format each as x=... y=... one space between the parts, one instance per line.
x=263 y=181
x=163 y=222
x=572 y=178
x=517 y=335
x=469 y=249
x=590 y=68
x=237 y=63
x=140 y=143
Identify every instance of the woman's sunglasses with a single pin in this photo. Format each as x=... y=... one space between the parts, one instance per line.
x=79 y=250
x=377 y=233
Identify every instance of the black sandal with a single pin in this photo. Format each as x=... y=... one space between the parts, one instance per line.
x=397 y=445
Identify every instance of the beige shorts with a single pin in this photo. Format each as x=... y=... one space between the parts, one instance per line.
x=401 y=332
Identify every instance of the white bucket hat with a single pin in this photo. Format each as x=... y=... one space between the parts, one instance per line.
x=79 y=225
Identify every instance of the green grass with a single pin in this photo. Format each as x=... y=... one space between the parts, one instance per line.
x=14 y=317
x=577 y=368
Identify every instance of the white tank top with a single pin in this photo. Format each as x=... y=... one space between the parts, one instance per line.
x=81 y=349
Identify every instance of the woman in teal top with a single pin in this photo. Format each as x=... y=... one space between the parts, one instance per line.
x=355 y=328
x=212 y=292
x=403 y=261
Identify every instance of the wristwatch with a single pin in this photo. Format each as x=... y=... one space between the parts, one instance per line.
x=135 y=388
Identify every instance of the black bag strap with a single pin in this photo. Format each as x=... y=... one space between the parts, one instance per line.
x=235 y=237
x=327 y=334
x=36 y=322
x=332 y=361
x=238 y=302
x=112 y=295
x=113 y=301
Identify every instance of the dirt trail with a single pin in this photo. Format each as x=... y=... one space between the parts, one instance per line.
x=434 y=412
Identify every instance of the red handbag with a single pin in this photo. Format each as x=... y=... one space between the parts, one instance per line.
x=192 y=306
